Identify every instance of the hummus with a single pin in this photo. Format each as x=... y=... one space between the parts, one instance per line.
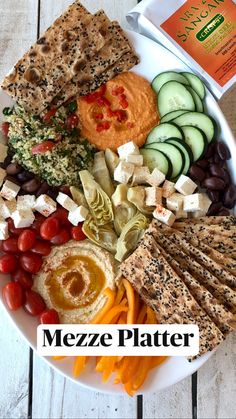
x=123 y=109
x=73 y=278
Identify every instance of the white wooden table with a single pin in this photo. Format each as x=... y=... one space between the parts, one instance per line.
x=28 y=387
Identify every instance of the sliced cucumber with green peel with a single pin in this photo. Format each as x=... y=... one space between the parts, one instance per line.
x=164 y=131
x=163 y=78
x=172 y=115
x=197 y=99
x=174 y=96
x=175 y=155
x=186 y=150
x=196 y=83
x=199 y=120
x=196 y=140
x=155 y=159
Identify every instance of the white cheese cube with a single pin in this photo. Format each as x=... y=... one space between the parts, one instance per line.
x=45 y=205
x=141 y=175
x=2 y=175
x=4 y=210
x=11 y=205
x=23 y=218
x=9 y=190
x=3 y=152
x=136 y=159
x=78 y=215
x=181 y=214
x=164 y=215
x=156 y=178
x=26 y=202
x=66 y=202
x=153 y=196
x=123 y=172
x=175 y=202
x=206 y=203
x=127 y=150
x=168 y=189
x=185 y=185
x=194 y=202
x=3 y=230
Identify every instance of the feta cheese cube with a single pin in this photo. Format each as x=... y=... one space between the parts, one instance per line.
x=9 y=190
x=153 y=196
x=45 y=205
x=3 y=152
x=141 y=175
x=23 y=218
x=185 y=185
x=66 y=202
x=3 y=230
x=194 y=202
x=127 y=150
x=4 y=210
x=181 y=214
x=136 y=159
x=206 y=203
x=25 y=202
x=156 y=178
x=123 y=172
x=11 y=205
x=168 y=188
x=2 y=175
x=78 y=215
x=164 y=215
x=175 y=202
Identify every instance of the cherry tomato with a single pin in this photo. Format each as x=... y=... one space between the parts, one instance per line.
x=5 y=128
x=43 y=147
x=49 y=115
x=41 y=247
x=13 y=295
x=34 y=303
x=13 y=229
x=77 y=233
x=61 y=238
x=24 y=278
x=31 y=262
x=50 y=228
x=49 y=316
x=10 y=245
x=8 y=264
x=26 y=240
x=62 y=215
x=72 y=121
x=38 y=222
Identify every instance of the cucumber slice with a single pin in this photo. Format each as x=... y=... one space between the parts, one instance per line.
x=163 y=78
x=175 y=155
x=164 y=131
x=172 y=115
x=196 y=140
x=174 y=96
x=155 y=159
x=199 y=120
x=197 y=100
x=186 y=151
x=196 y=83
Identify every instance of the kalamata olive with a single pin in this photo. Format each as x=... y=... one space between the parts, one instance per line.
x=214 y=196
x=216 y=170
x=218 y=160
x=222 y=151
x=13 y=169
x=65 y=189
x=229 y=198
x=226 y=177
x=53 y=192
x=214 y=183
x=31 y=186
x=13 y=179
x=210 y=151
x=25 y=176
x=214 y=208
x=196 y=173
x=224 y=212
x=43 y=189
x=7 y=161
x=203 y=163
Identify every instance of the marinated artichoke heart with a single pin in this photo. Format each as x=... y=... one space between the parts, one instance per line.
x=104 y=236
x=112 y=160
x=98 y=201
x=101 y=173
x=78 y=196
x=130 y=235
x=123 y=209
x=137 y=197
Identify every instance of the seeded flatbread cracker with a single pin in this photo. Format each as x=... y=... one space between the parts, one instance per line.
x=225 y=221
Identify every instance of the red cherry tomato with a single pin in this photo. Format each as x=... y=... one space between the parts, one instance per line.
x=49 y=228
x=77 y=233
x=72 y=121
x=38 y=222
x=62 y=215
x=13 y=229
x=10 y=245
x=5 y=128
x=31 y=262
x=61 y=238
x=49 y=115
x=13 y=295
x=41 y=248
x=24 y=278
x=34 y=303
x=49 y=316
x=26 y=240
x=43 y=147
x=8 y=264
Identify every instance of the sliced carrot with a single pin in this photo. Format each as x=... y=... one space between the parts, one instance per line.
x=123 y=318
x=130 y=367
x=79 y=365
x=112 y=313
x=142 y=314
x=137 y=306
x=157 y=360
x=151 y=316
x=110 y=294
x=142 y=372
x=129 y=388
x=120 y=294
x=131 y=301
x=58 y=358
x=106 y=366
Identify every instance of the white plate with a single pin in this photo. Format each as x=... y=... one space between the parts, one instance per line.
x=154 y=60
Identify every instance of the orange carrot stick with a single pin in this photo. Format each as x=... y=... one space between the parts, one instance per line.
x=151 y=316
x=120 y=294
x=131 y=301
x=142 y=314
x=58 y=358
x=142 y=372
x=112 y=313
x=107 y=306
x=79 y=365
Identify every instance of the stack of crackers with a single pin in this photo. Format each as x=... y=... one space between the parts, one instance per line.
x=77 y=54
x=187 y=274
